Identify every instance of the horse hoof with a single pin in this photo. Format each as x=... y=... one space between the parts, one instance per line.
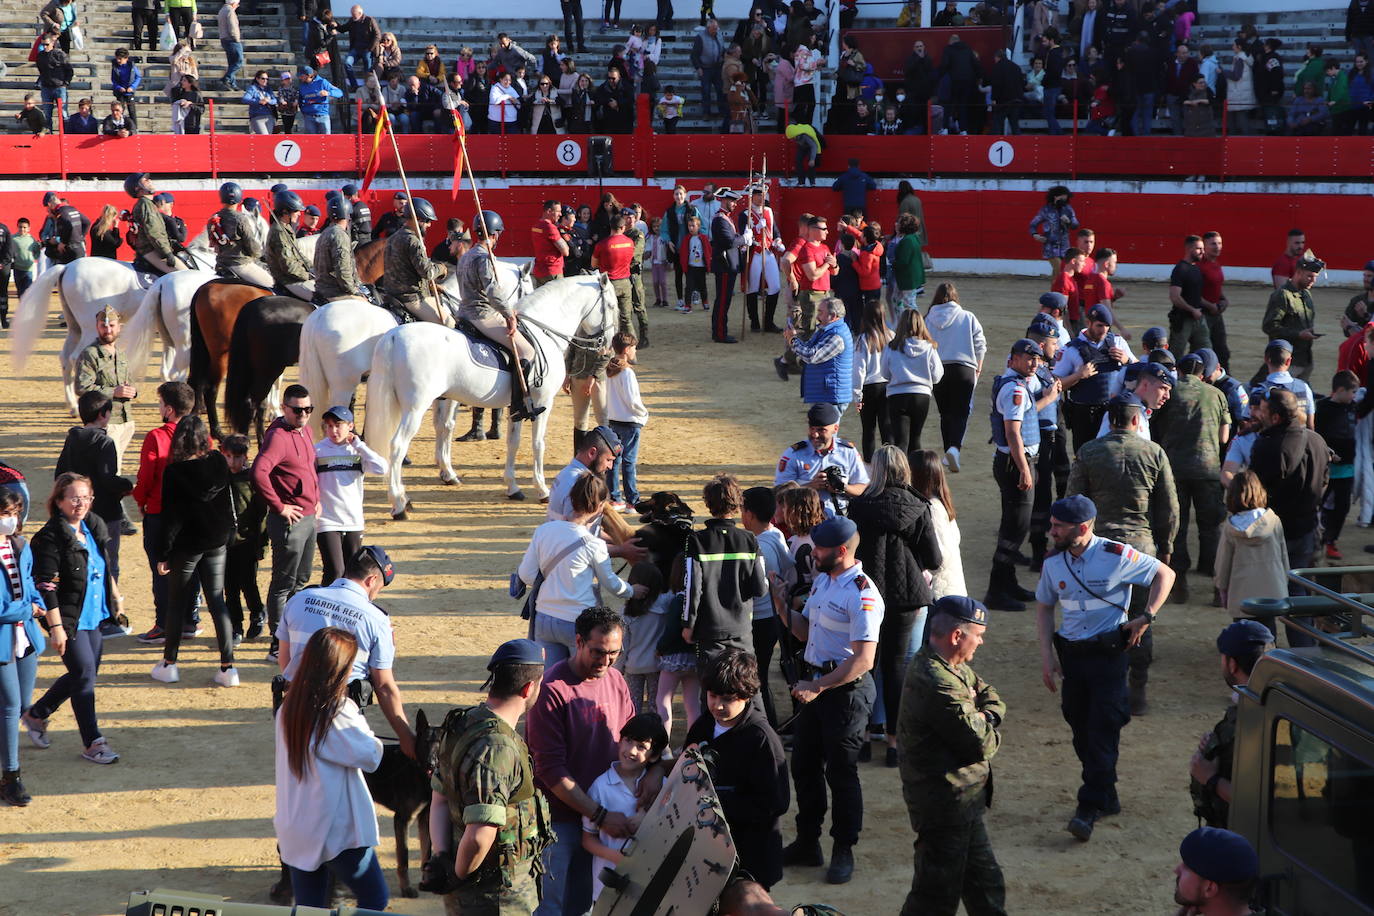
x=71 y=411
x=517 y=496
x=399 y=516
x=450 y=481
x=409 y=892
x=405 y=462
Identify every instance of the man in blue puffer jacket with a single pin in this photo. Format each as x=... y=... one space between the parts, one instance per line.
x=828 y=357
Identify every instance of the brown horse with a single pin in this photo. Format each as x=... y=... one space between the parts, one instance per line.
x=370 y=259
x=214 y=310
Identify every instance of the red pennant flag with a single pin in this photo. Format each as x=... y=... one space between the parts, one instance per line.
x=374 y=160
x=459 y=144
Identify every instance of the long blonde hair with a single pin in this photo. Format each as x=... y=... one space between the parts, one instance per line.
x=107 y=219
x=910 y=324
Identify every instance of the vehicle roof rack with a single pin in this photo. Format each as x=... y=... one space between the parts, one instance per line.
x=1354 y=608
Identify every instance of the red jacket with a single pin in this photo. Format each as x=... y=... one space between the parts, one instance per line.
x=152 y=461
x=684 y=249
x=866 y=262
x=284 y=471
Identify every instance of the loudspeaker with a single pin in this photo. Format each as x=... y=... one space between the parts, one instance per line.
x=601 y=161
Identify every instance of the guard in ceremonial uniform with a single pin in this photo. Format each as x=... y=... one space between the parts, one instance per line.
x=235 y=240
x=360 y=222
x=840 y=624
x=947 y=732
x=764 y=247
x=727 y=248
x=63 y=233
x=1016 y=402
x=488 y=822
x=153 y=247
x=1130 y=480
x=1291 y=315
x=1091 y=369
x=336 y=270
x=1052 y=465
x=1090 y=578
x=809 y=461
x=289 y=270
x=1241 y=644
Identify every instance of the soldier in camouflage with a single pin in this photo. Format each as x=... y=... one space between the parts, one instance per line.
x=408 y=271
x=1241 y=645
x=284 y=258
x=237 y=246
x=947 y=733
x=153 y=247
x=1193 y=427
x=1129 y=479
x=1291 y=315
x=101 y=367
x=336 y=271
x=484 y=797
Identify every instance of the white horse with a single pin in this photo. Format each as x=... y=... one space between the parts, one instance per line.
x=85 y=287
x=415 y=364
x=166 y=310
x=338 y=339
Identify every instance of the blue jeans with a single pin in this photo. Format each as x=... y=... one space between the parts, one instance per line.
x=314 y=123
x=357 y=64
x=558 y=638
x=567 y=873
x=233 y=59
x=626 y=463
x=16 y=690
x=23 y=279
x=1143 y=120
x=710 y=84
x=1052 y=102
x=357 y=868
x=49 y=97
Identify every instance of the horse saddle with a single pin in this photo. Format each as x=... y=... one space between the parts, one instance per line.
x=144 y=274
x=485 y=352
x=227 y=278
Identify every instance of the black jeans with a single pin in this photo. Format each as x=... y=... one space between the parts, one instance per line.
x=873 y=415
x=82 y=661
x=1084 y=421
x=1016 y=512
x=181 y=588
x=954 y=398
x=825 y=752
x=1335 y=507
x=894 y=638
x=906 y=417
x=572 y=13
x=765 y=641
x=181 y=23
x=145 y=20
x=293 y=556
x=1051 y=481
x=241 y=579
x=336 y=547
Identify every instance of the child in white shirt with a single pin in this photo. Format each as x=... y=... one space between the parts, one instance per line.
x=670 y=109
x=626 y=415
x=642 y=742
x=341 y=459
x=658 y=260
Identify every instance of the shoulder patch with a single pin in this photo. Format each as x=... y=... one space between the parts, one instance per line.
x=845 y=443
x=798 y=446
x=782 y=464
x=1115 y=547
x=861 y=582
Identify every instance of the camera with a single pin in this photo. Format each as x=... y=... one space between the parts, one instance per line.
x=835 y=478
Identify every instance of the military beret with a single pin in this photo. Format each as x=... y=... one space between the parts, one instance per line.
x=1158 y=373
x=1219 y=855
x=1241 y=637
x=1075 y=509
x=383 y=562
x=164 y=197
x=1369 y=265
x=833 y=532
x=1054 y=301
x=822 y=415
x=349 y=190
x=1152 y=338
x=1163 y=357
x=1210 y=363
x=1126 y=399
x=49 y=197
x=1278 y=345
x=1192 y=360
x=1100 y=313
x=961 y=608
x=1027 y=347
x=1132 y=372
x=342 y=414
x=312 y=210
x=1043 y=325
x=517 y=652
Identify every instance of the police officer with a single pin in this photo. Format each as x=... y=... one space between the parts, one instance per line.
x=1237 y=401
x=1155 y=338
x=839 y=625
x=947 y=732
x=1193 y=427
x=809 y=461
x=289 y=270
x=1052 y=465
x=1216 y=874
x=487 y=306
x=1090 y=370
x=484 y=796
x=1053 y=306
x=347 y=603
x=63 y=234
x=235 y=239
x=1016 y=434
x=1150 y=382
x=176 y=226
x=360 y=223
x=1131 y=482
x=408 y=272
x=336 y=271
x=1241 y=644
x=391 y=223
x=1278 y=363
x=1091 y=578
x=310 y=221
x=152 y=245
x=1290 y=314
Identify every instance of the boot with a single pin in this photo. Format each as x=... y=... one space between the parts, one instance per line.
x=494 y=431
x=5 y=319
x=578 y=436
x=12 y=790
x=1037 y=559
x=1179 y=595
x=1000 y=597
x=841 y=868
x=1140 y=704
x=519 y=410
x=474 y=434
x=643 y=334
x=770 y=309
x=803 y=852
x=751 y=308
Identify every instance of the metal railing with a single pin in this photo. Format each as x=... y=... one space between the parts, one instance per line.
x=1354 y=609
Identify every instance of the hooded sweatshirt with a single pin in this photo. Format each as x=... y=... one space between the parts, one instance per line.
x=914 y=369
x=89 y=450
x=958 y=334
x=1251 y=558
x=868 y=366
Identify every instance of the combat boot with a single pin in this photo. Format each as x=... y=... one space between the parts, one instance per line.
x=1140 y=705
x=841 y=868
x=751 y=308
x=803 y=852
x=494 y=431
x=1081 y=824
x=1037 y=558
x=1000 y=596
x=1179 y=594
x=643 y=334
x=474 y=434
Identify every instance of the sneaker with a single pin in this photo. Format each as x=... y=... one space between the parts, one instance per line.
x=192 y=630
x=684 y=309
x=100 y=752
x=110 y=629
x=229 y=678
x=255 y=626
x=618 y=506
x=952 y=458
x=38 y=731
x=1333 y=552
x=272 y=650
x=678 y=306
x=154 y=637
x=166 y=672
x=238 y=638
x=128 y=528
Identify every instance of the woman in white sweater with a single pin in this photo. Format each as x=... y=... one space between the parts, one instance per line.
x=870 y=382
x=912 y=368
x=959 y=337
x=325 y=821
x=928 y=479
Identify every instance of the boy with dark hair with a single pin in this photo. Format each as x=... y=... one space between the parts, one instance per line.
x=249 y=543
x=1335 y=422
x=724 y=576
x=748 y=765
x=759 y=506
x=642 y=742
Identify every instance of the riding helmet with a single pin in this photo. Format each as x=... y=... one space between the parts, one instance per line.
x=423 y=210
x=488 y=222
x=230 y=193
x=287 y=202
x=136 y=184
x=338 y=207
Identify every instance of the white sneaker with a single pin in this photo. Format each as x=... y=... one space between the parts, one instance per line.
x=952 y=457
x=228 y=678
x=165 y=672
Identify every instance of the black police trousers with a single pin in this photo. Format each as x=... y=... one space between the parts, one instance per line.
x=1083 y=420
x=1051 y=482
x=825 y=751
x=954 y=861
x=1096 y=705
x=1016 y=511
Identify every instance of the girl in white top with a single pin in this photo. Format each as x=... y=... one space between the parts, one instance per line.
x=341 y=460
x=325 y=821
x=912 y=367
x=928 y=479
x=576 y=567
x=870 y=381
x=626 y=414
x=959 y=338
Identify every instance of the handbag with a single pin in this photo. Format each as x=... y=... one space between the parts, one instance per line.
x=197 y=31
x=78 y=38
x=321 y=59
x=531 y=594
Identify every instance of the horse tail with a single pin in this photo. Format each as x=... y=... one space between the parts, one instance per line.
x=199 y=367
x=137 y=339
x=383 y=407
x=33 y=314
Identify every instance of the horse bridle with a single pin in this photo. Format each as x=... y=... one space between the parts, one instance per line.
x=598 y=342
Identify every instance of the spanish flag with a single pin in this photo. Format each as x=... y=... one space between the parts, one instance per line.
x=459 y=148
x=374 y=160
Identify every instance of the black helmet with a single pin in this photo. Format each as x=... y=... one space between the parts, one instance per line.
x=135 y=184
x=230 y=193
x=250 y=204
x=338 y=207
x=349 y=190
x=486 y=223
x=278 y=188
x=287 y=201
x=423 y=210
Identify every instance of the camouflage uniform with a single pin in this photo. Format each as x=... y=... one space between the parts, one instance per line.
x=639 y=326
x=151 y=242
x=1289 y=313
x=237 y=247
x=1207 y=804
x=947 y=729
x=336 y=273
x=1188 y=427
x=98 y=369
x=408 y=269
x=285 y=261
x=1130 y=481
x=486 y=774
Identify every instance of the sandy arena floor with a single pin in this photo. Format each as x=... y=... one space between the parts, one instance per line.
x=190 y=803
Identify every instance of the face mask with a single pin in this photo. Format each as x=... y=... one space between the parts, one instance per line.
x=901 y=97
x=8 y=525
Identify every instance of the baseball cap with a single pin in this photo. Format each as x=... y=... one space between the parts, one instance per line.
x=1243 y=636
x=342 y=414
x=305 y=71
x=1027 y=347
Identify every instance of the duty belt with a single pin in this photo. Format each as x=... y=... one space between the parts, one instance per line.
x=809 y=670
x=1112 y=642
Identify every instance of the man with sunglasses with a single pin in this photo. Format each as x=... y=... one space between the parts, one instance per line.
x=284 y=474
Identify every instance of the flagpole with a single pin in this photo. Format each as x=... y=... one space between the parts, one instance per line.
x=414 y=218
x=749 y=259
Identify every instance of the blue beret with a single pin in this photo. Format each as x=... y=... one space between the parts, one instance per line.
x=961 y=608
x=1100 y=313
x=609 y=437
x=1192 y=359
x=1043 y=325
x=1278 y=345
x=1027 y=347
x=1054 y=301
x=1241 y=637
x=833 y=532
x=1157 y=372
x=1219 y=855
x=1126 y=398
x=822 y=415
x=312 y=210
x=1131 y=372
x=517 y=652
x=382 y=560
x=342 y=414
x=1163 y=357
x=1210 y=362
x=1154 y=337
x=1074 y=509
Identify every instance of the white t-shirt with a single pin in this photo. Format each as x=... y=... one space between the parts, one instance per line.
x=611 y=791
x=340 y=469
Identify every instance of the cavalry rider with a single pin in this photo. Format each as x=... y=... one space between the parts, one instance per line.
x=391 y=223
x=235 y=239
x=284 y=258
x=154 y=247
x=486 y=306
x=763 y=257
x=407 y=270
x=63 y=234
x=360 y=222
x=336 y=272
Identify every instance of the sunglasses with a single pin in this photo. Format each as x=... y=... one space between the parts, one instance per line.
x=307 y=409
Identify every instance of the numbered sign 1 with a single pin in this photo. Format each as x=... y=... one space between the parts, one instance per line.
x=287 y=153
x=569 y=153
x=1001 y=154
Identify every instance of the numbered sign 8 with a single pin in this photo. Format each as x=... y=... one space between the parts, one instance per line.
x=569 y=153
